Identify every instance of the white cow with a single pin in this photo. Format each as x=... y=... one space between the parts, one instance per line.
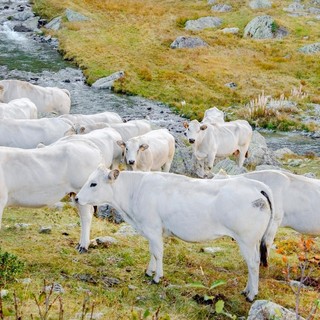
x=153 y=150
x=22 y=108
x=132 y=128
x=218 y=140
x=213 y=115
x=40 y=177
x=93 y=119
x=296 y=198
x=194 y=210
x=106 y=140
x=47 y=99
x=28 y=133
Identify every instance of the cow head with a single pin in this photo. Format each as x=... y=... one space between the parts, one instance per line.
x=98 y=188
x=133 y=149
x=194 y=128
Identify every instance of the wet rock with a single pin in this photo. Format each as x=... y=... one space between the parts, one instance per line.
x=311 y=48
x=108 y=82
x=264 y=27
x=22 y=16
x=75 y=16
x=21 y=28
x=188 y=42
x=203 y=23
x=221 y=8
x=54 y=24
x=267 y=310
x=259 y=4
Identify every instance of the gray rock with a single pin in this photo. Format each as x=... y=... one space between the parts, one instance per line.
x=267 y=310
x=295 y=162
x=188 y=42
x=54 y=24
x=259 y=153
x=221 y=8
x=211 y=250
x=203 y=23
x=211 y=1
x=3 y=293
x=56 y=287
x=108 y=82
x=294 y=7
x=75 y=16
x=107 y=212
x=106 y=240
x=32 y=24
x=280 y=153
x=267 y=167
x=22 y=16
x=46 y=230
x=311 y=48
x=230 y=30
x=314 y=10
x=310 y=175
x=23 y=225
x=264 y=27
x=259 y=4
x=229 y=166
x=231 y=85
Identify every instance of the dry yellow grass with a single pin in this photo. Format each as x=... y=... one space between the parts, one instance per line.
x=135 y=36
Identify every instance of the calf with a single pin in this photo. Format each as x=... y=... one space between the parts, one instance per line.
x=151 y=151
x=218 y=140
x=47 y=99
x=194 y=210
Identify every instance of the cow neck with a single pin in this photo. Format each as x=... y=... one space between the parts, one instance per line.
x=125 y=189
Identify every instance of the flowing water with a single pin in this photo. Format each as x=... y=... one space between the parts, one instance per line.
x=23 y=57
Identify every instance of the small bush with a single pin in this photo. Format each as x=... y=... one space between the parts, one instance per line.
x=10 y=266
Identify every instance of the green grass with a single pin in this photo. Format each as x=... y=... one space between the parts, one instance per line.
x=135 y=36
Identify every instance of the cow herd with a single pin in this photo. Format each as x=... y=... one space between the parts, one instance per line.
x=42 y=160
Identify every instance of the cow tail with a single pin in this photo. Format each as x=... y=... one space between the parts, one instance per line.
x=263 y=245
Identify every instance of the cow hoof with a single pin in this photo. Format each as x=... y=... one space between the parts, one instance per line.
x=82 y=249
x=148 y=275
x=154 y=282
x=249 y=300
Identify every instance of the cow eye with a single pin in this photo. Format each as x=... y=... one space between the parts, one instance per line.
x=92 y=185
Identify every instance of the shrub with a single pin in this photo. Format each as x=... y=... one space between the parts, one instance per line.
x=10 y=266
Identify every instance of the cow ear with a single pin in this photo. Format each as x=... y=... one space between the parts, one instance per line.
x=185 y=124
x=121 y=144
x=82 y=130
x=203 y=127
x=143 y=147
x=113 y=174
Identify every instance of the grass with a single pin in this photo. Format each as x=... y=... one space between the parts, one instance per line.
x=135 y=36
x=53 y=257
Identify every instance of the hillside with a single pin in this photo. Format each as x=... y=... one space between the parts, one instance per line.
x=135 y=36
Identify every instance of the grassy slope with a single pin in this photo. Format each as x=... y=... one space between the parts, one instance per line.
x=54 y=258
x=135 y=36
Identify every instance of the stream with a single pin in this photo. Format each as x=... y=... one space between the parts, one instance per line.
x=22 y=57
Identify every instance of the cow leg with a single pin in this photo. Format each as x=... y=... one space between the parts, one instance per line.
x=252 y=257
x=3 y=203
x=167 y=166
x=156 y=261
x=85 y=213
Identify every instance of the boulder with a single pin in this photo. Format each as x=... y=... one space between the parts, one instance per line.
x=73 y=16
x=280 y=153
x=229 y=166
x=230 y=30
x=259 y=153
x=311 y=48
x=188 y=42
x=267 y=310
x=54 y=24
x=221 y=8
x=108 y=82
x=259 y=4
x=203 y=23
x=264 y=27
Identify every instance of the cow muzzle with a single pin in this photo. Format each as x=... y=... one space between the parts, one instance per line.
x=192 y=140
x=131 y=162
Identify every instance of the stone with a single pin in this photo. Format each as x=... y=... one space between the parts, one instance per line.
x=294 y=7
x=280 y=153
x=229 y=166
x=268 y=310
x=221 y=8
x=3 y=293
x=54 y=24
x=310 y=48
x=126 y=230
x=108 y=82
x=73 y=16
x=211 y=1
x=231 y=85
x=22 y=225
x=45 y=230
x=106 y=240
x=211 y=250
x=22 y=16
x=203 y=23
x=188 y=42
x=260 y=4
x=230 y=30
x=310 y=175
x=264 y=27
x=267 y=167
x=31 y=24
x=56 y=287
